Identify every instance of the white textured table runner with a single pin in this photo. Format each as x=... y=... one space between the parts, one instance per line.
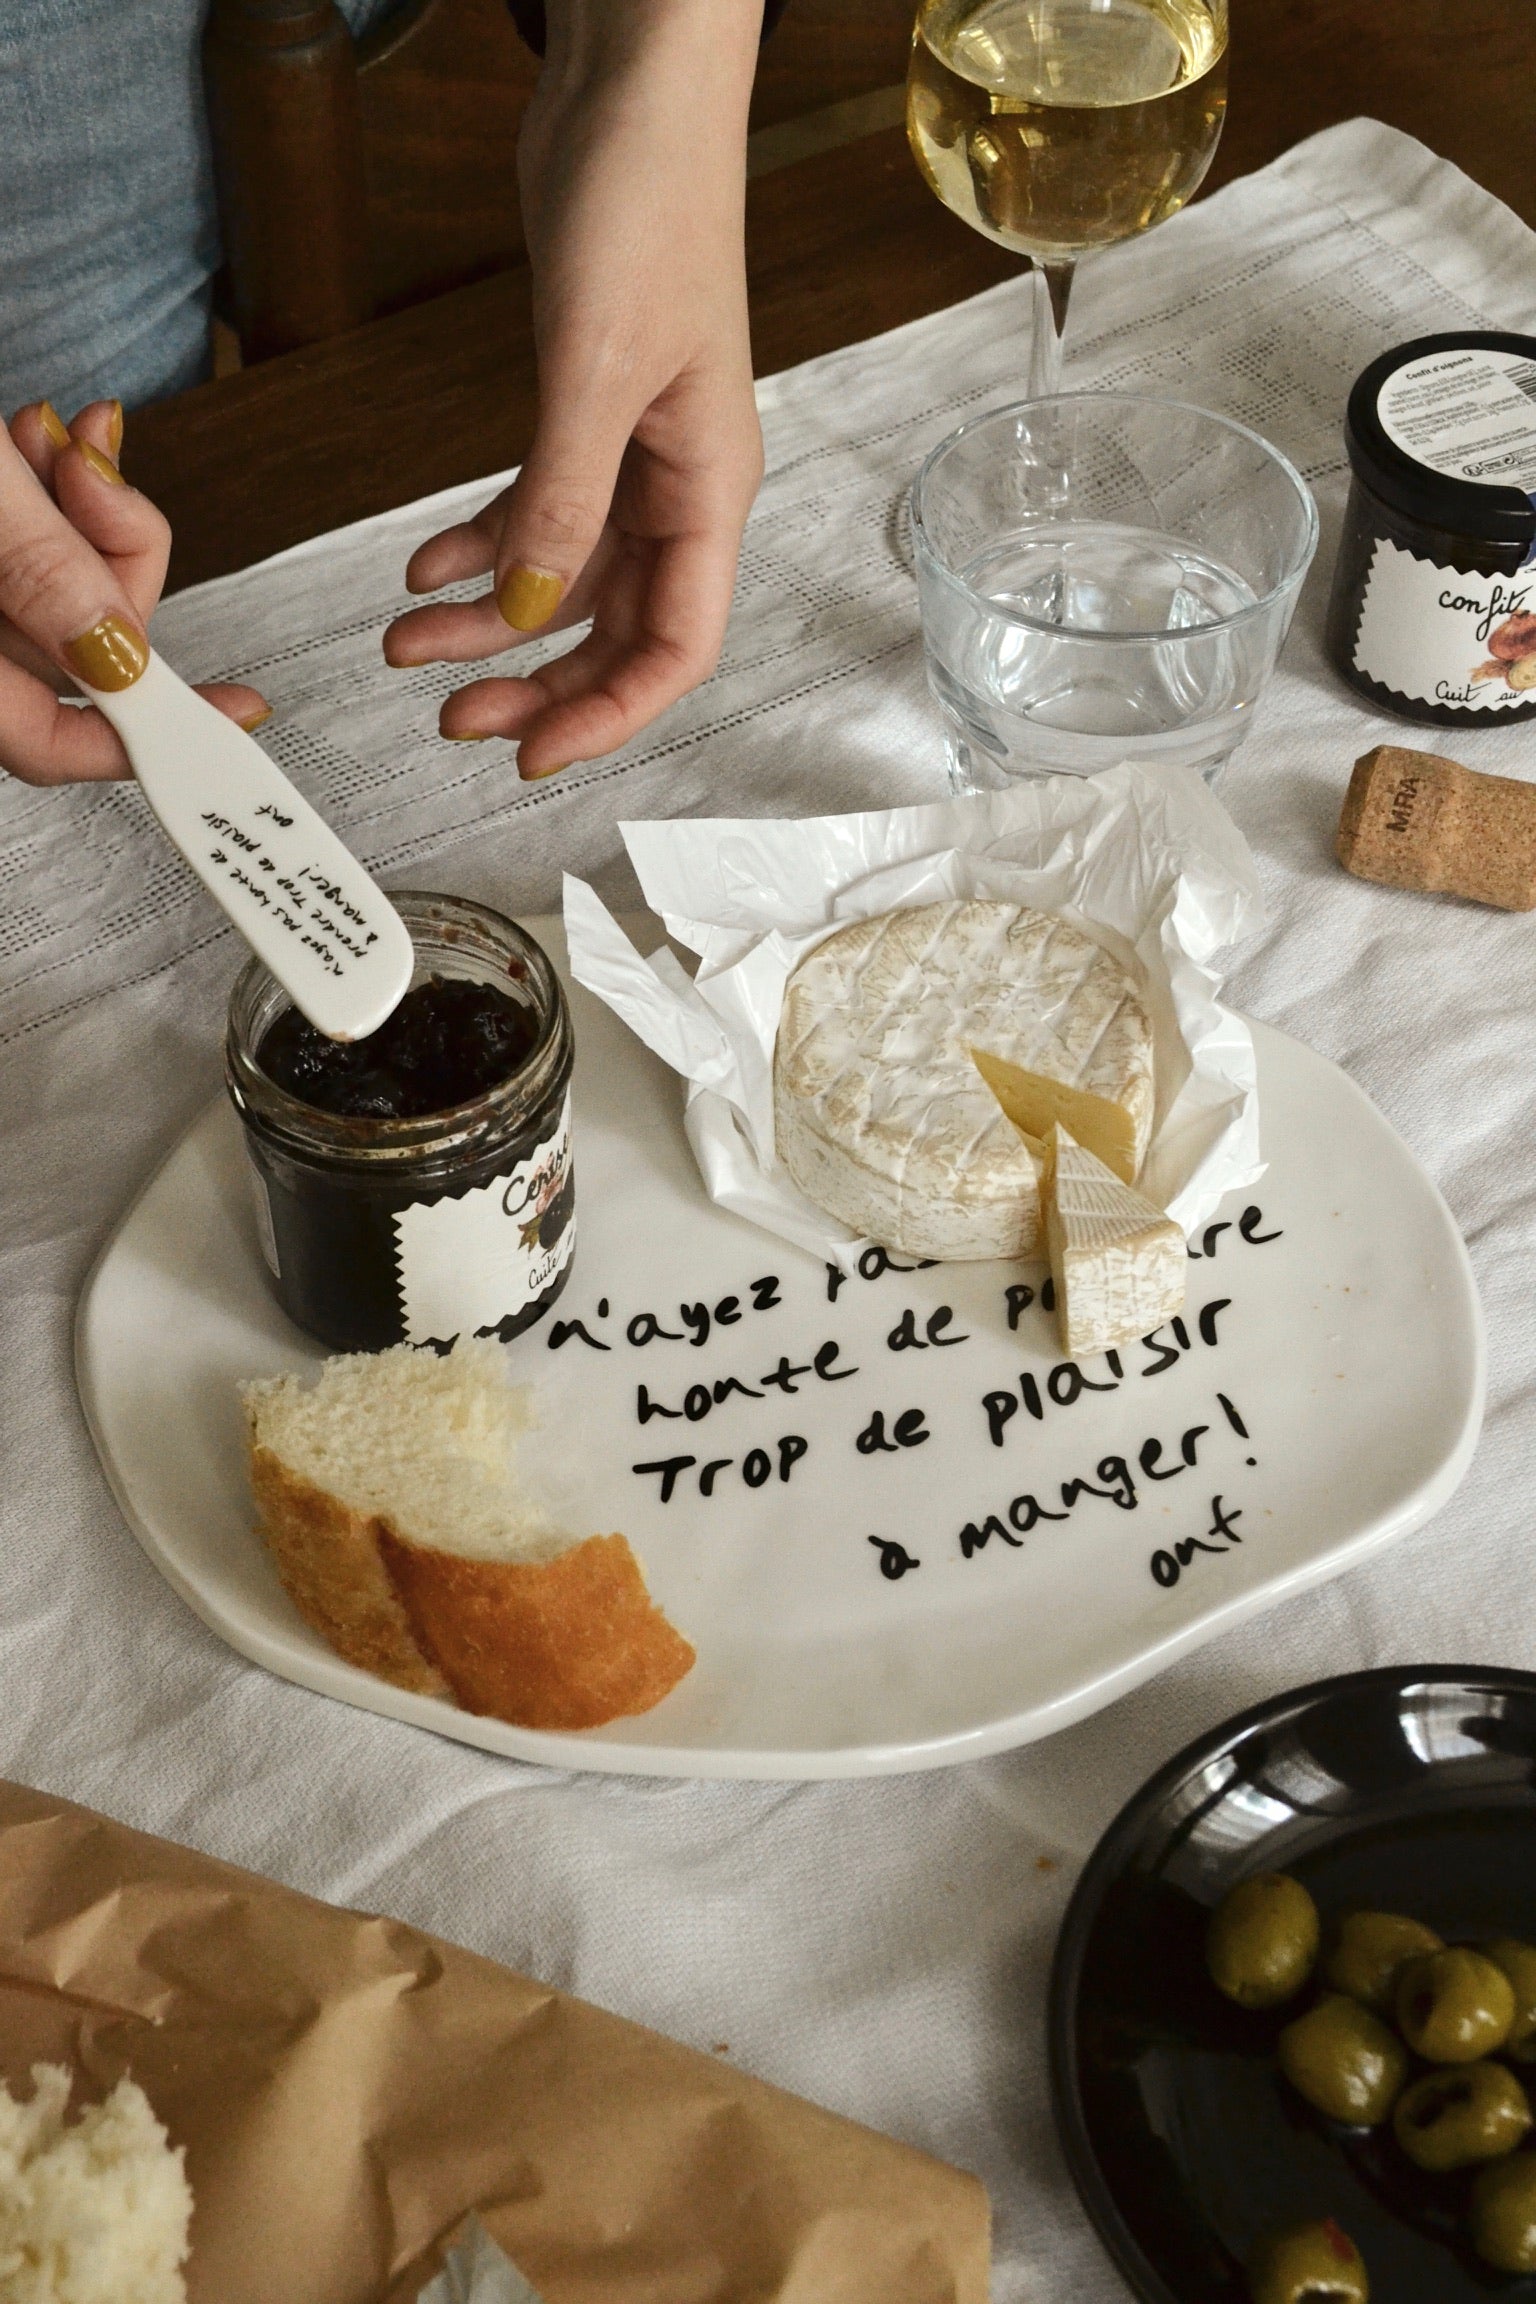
x=882 y=1947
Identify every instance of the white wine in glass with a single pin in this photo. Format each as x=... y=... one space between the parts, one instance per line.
x=1058 y=126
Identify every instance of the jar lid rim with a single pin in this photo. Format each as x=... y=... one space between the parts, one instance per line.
x=1485 y=512
x=310 y=1128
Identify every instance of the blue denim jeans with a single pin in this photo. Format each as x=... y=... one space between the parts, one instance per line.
x=108 y=229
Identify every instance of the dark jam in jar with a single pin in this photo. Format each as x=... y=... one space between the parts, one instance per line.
x=446 y=1043
x=418 y=1184
x=1433 y=614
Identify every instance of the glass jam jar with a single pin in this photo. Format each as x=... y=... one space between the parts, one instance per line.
x=415 y=1230
x=1433 y=613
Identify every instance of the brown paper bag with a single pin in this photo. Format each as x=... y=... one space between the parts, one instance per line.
x=349 y=2089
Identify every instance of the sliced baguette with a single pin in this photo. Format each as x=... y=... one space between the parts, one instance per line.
x=388 y=1500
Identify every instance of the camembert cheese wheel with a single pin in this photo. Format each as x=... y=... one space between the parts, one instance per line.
x=881 y=1114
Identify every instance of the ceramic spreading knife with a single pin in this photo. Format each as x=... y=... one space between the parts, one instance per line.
x=300 y=899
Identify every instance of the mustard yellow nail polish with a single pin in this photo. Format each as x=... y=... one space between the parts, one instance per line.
x=115 y=428
x=251 y=721
x=537 y=775
x=469 y=736
x=111 y=656
x=53 y=424
x=528 y=598
x=102 y=466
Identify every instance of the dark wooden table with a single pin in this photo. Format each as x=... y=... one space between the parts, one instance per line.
x=840 y=246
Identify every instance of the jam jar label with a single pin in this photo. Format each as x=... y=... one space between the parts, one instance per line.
x=469 y=1262
x=1439 y=637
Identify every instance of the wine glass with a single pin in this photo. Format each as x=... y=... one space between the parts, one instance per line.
x=1057 y=126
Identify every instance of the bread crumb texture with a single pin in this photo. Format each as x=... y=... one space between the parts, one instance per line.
x=93 y=2211
x=427 y=1439
x=389 y=1499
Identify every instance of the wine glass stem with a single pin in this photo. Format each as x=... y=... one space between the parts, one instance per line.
x=1051 y=287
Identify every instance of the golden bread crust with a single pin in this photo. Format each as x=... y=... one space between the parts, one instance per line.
x=333 y=1570
x=565 y=1643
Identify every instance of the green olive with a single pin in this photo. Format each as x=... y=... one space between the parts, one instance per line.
x=1518 y=1962
x=1344 y=2061
x=1314 y=2264
x=1370 y=1949
x=1454 y=2119
x=1262 y=1940
x=1504 y=2213
x=1455 y=2006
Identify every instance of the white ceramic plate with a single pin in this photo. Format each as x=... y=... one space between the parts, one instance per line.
x=1326 y=1385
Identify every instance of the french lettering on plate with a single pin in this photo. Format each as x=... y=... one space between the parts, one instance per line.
x=683 y=1393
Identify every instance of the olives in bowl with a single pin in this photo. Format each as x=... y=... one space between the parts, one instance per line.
x=1406 y=1792
x=1369 y=1951
x=1503 y=2214
x=1311 y=2264
x=1518 y=1962
x=1454 y=2006
x=1261 y=1944
x=1391 y=1986
x=1454 y=2118
x=1344 y=2061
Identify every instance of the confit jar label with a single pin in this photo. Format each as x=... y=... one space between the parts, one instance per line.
x=470 y=1262
x=1468 y=411
x=1440 y=637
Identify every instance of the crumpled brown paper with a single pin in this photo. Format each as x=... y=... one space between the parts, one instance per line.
x=348 y=2090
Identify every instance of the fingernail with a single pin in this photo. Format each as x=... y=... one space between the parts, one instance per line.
x=111 y=656
x=468 y=736
x=53 y=424
x=528 y=598
x=115 y=427
x=537 y=775
x=251 y=721
x=102 y=466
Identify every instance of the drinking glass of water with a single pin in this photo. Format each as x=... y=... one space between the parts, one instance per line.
x=1103 y=578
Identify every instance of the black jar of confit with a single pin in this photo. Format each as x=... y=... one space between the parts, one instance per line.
x=1433 y=613
x=387 y=1223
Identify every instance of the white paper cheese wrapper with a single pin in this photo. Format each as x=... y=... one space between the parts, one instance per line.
x=1152 y=868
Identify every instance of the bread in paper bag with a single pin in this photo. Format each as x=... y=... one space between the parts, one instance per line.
x=351 y=2091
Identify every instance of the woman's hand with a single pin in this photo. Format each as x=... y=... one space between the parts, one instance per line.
x=82 y=560
x=630 y=507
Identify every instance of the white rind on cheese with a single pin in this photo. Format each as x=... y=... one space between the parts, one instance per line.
x=881 y=1116
x=1118 y=1262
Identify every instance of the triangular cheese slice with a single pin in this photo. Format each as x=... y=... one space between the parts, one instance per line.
x=1035 y=1104
x=1118 y=1262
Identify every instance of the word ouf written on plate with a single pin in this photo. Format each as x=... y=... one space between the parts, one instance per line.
x=679 y=1402
x=299 y=897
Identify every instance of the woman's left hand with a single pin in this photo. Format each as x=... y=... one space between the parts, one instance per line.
x=630 y=507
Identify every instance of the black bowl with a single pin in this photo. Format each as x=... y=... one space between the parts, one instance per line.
x=1411 y=1789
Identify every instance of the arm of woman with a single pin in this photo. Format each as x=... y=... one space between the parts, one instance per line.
x=82 y=561
x=630 y=507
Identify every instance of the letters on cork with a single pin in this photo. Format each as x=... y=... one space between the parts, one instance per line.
x=1414 y=820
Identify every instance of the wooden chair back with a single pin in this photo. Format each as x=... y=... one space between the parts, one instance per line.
x=358 y=178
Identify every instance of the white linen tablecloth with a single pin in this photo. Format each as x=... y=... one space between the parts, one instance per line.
x=881 y=1947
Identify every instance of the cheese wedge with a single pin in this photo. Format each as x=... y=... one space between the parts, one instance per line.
x=1117 y=1261
x=1112 y=1131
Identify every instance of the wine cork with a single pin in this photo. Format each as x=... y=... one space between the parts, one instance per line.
x=1414 y=820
